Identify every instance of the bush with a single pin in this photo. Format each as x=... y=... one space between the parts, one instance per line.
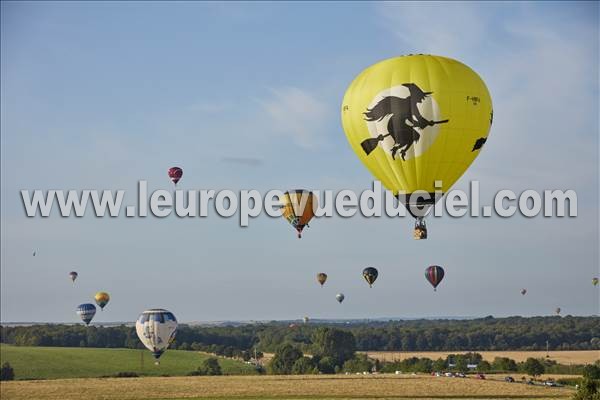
x=126 y=375
x=284 y=359
x=210 y=366
x=359 y=363
x=6 y=372
x=588 y=390
x=303 y=366
x=327 y=365
x=592 y=371
x=533 y=367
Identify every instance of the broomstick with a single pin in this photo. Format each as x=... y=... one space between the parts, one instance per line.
x=370 y=144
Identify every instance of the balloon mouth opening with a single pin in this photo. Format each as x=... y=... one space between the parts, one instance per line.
x=420 y=207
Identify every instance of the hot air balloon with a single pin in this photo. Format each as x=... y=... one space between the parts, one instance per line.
x=86 y=312
x=434 y=274
x=298 y=208
x=175 y=174
x=321 y=278
x=557 y=311
x=156 y=328
x=34 y=253
x=370 y=274
x=73 y=275
x=102 y=299
x=523 y=291
x=305 y=319
x=340 y=297
x=417 y=122
x=595 y=281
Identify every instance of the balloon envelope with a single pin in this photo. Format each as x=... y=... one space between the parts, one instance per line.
x=416 y=120
x=434 y=275
x=321 y=278
x=298 y=208
x=523 y=291
x=156 y=329
x=595 y=281
x=175 y=174
x=370 y=274
x=102 y=299
x=73 y=275
x=86 y=312
x=340 y=297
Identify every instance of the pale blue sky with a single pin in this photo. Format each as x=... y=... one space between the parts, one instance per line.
x=100 y=95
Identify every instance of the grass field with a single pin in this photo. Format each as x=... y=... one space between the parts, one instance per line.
x=280 y=387
x=561 y=357
x=63 y=362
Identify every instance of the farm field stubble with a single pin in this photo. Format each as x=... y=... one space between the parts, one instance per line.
x=561 y=357
x=280 y=387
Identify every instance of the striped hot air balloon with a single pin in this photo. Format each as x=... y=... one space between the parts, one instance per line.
x=434 y=274
x=298 y=208
x=86 y=312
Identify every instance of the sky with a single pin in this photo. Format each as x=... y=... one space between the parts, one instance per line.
x=247 y=96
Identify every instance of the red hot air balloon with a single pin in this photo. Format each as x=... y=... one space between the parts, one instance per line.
x=175 y=174
x=434 y=274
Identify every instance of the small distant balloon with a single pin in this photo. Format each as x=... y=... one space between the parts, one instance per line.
x=305 y=319
x=370 y=274
x=34 y=253
x=321 y=278
x=340 y=297
x=557 y=311
x=86 y=312
x=73 y=275
x=175 y=174
x=102 y=299
x=595 y=281
x=523 y=291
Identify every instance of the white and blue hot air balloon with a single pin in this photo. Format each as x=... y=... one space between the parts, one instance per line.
x=86 y=312
x=156 y=328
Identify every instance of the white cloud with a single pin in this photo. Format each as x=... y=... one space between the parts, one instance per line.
x=297 y=114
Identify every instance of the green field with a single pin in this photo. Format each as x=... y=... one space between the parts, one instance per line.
x=64 y=362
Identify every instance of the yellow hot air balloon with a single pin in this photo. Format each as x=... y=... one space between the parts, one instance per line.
x=417 y=122
x=102 y=299
x=298 y=208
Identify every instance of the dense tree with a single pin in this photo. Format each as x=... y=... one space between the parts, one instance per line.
x=504 y=364
x=337 y=344
x=210 y=366
x=327 y=365
x=360 y=363
x=513 y=333
x=588 y=390
x=284 y=359
x=592 y=371
x=533 y=367
x=303 y=366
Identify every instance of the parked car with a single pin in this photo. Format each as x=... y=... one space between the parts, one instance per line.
x=480 y=376
x=460 y=375
x=550 y=383
x=509 y=379
x=449 y=374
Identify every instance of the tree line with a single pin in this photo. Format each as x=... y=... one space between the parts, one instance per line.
x=513 y=333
